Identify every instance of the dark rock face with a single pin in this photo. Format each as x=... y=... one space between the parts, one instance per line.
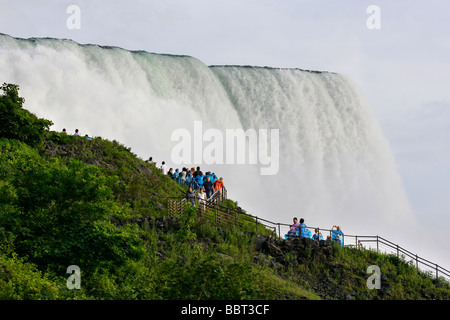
x=145 y=170
x=304 y=247
x=272 y=249
x=281 y=254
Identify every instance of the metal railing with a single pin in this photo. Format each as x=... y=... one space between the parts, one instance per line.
x=382 y=245
x=176 y=204
x=220 y=214
x=214 y=210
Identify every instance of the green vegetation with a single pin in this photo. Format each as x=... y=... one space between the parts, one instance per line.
x=67 y=200
x=343 y=275
x=18 y=123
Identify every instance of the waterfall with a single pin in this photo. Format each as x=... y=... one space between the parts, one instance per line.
x=335 y=165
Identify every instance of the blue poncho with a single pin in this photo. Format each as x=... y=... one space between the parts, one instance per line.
x=304 y=231
x=317 y=237
x=337 y=235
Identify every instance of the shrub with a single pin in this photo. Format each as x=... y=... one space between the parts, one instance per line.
x=18 y=123
x=20 y=280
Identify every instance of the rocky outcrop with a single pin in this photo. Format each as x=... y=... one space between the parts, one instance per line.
x=303 y=248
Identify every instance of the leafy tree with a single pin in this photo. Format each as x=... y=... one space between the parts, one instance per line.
x=18 y=123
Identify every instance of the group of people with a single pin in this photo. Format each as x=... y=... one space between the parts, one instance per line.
x=205 y=184
x=77 y=133
x=300 y=230
x=201 y=185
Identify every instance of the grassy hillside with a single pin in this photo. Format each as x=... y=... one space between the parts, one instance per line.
x=92 y=203
x=95 y=205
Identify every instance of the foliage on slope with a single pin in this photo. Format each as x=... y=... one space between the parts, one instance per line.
x=92 y=203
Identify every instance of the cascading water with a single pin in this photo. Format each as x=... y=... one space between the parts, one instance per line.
x=335 y=165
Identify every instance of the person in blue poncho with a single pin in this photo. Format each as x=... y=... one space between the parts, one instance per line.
x=188 y=177
x=303 y=230
x=317 y=235
x=176 y=176
x=337 y=235
x=199 y=178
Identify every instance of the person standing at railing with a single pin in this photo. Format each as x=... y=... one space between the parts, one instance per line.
x=317 y=235
x=293 y=232
x=295 y=225
x=190 y=196
x=303 y=229
x=208 y=187
x=219 y=185
x=337 y=235
x=202 y=199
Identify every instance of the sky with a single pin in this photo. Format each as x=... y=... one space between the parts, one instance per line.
x=402 y=66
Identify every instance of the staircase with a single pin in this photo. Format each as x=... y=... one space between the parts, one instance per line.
x=214 y=210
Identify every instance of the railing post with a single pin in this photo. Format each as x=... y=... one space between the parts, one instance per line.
x=176 y=207
x=215 y=215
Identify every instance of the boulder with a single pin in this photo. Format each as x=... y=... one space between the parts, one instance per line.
x=272 y=249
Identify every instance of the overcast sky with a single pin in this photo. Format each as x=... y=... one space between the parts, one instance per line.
x=403 y=68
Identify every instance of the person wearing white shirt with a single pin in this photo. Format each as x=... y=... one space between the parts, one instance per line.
x=202 y=200
x=164 y=168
